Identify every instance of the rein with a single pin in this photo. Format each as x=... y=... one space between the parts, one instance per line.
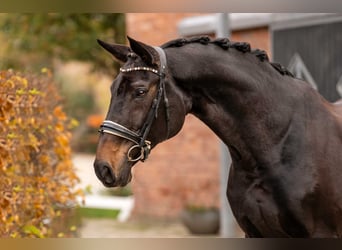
x=140 y=139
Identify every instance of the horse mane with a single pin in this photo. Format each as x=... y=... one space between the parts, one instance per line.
x=226 y=44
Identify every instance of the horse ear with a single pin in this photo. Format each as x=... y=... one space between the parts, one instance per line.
x=147 y=53
x=120 y=52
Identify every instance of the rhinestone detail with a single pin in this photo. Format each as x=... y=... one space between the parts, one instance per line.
x=124 y=70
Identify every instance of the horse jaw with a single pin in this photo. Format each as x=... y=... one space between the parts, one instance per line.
x=111 y=165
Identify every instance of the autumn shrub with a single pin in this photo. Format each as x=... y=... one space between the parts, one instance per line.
x=37 y=178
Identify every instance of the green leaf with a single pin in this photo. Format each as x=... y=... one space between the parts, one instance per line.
x=20 y=92
x=34 y=91
x=11 y=135
x=17 y=188
x=30 y=229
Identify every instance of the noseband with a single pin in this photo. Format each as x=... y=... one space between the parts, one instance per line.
x=139 y=139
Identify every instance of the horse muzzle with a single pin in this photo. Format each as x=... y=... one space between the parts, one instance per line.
x=105 y=173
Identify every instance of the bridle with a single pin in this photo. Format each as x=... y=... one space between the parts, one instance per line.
x=140 y=139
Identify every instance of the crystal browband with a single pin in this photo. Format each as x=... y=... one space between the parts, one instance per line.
x=139 y=69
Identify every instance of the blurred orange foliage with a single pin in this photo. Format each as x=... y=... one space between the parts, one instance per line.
x=94 y=121
x=37 y=178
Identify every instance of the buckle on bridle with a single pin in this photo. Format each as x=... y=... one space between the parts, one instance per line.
x=144 y=152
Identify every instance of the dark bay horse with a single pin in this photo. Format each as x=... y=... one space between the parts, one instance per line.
x=285 y=139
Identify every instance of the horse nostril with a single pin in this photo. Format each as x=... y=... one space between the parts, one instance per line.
x=108 y=175
x=104 y=172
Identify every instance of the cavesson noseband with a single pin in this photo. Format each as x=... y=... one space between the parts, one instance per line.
x=139 y=139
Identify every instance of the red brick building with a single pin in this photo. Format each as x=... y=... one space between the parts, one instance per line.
x=184 y=170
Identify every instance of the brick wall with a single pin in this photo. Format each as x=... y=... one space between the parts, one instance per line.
x=181 y=171
x=154 y=28
x=258 y=38
x=185 y=169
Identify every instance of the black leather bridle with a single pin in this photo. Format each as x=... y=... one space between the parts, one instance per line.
x=140 y=139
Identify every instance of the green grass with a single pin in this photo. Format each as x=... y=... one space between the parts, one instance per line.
x=118 y=191
x=98 y=213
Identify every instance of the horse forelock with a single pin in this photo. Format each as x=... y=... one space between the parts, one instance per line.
x=226 y=44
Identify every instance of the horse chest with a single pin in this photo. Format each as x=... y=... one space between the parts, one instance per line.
x=253 y=208
x=263 y=210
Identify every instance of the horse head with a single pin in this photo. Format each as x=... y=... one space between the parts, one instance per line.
x=146 y=108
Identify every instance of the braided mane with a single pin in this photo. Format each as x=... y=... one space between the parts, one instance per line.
x=226 y=44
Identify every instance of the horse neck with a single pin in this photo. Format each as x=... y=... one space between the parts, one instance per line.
x=229 y=89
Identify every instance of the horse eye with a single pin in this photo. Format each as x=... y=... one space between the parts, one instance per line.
x=140 y=92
